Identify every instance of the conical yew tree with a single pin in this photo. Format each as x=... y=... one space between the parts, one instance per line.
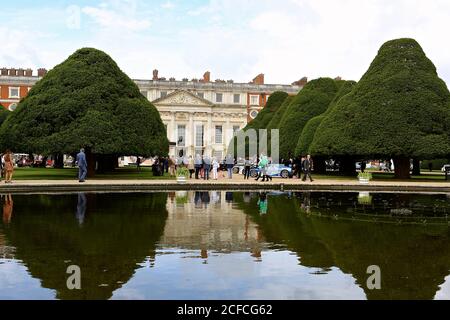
x=310 y=102
x=86 y=101
x=400 y=109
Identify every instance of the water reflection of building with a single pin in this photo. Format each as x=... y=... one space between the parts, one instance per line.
x=207 y=221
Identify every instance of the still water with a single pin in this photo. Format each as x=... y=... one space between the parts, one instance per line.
x=224 y=245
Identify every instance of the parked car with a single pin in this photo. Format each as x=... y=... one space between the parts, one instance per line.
x=274 y=170
x=446 y=167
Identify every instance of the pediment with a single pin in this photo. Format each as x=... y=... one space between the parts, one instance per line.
x=182 y=98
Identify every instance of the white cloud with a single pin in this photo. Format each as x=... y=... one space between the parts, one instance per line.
x=168 y=5
x=107 y=18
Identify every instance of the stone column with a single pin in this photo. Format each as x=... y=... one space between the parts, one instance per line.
x=190 y=136
x=209 y=136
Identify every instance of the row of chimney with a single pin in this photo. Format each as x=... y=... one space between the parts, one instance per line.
x=207 y=78
x=22 y=72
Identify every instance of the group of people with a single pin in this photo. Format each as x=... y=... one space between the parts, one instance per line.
x=301 y=165
x=7 y=166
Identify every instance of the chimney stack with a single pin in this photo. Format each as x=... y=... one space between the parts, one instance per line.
x=155 y=75
x=338 y=78
x=4 y=72
x=21 y=73
x=28 y=73
x=12 y=72
x=206 y=77
x=301 y=83
x=42 y=72
x=259 y=79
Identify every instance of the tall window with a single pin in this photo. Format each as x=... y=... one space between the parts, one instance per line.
x=181 y=140
x=14 y=92
x=199 y=136
x=219 y=134
x=163 y=94
x=219 y=97
x=237 y=98
x=254 y=100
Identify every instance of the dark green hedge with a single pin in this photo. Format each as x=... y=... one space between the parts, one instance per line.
x=85 y=101
x=307 y=136
x=311 y=101
x=400 y=108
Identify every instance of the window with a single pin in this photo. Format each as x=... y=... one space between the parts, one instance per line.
x=12 y=107
x=219 y=97
x=181 y=141
x=14 y=92
x=201 y=95
x=254 y=100
x=199 y=136
x=219 y=134
x=237 y=98
x=163 y=94
x=253 y=114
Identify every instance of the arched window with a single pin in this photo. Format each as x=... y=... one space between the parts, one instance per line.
x=12 y=107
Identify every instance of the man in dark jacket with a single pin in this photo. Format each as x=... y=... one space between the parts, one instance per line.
x=307 y=166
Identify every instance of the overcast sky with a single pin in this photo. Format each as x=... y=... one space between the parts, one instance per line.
x=234 y=39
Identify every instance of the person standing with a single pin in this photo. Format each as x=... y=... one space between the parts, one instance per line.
x=263 y=162
x=138 y=163
x=172 y=166
x=198 y=166
x=82 y=166
x=363 y=166
x=307 y=166
x=215 y=167
x=1 y=167
x=230 y=165
x=247 y=166
x=206 y=167
x=9 y=166
x=191 y=166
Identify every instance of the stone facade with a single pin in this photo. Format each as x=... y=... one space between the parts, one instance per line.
x=201 y=116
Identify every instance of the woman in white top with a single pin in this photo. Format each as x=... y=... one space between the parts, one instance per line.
x=215 y=167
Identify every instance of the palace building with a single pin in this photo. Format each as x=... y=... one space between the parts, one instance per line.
x=200 y=115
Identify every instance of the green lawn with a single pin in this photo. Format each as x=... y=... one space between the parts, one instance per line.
x=71 y=174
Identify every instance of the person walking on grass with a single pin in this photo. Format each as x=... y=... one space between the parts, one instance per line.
x=307 y=167
x=82 y=166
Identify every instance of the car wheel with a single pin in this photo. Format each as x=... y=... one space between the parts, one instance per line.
x=284 y=174
x=253 y=173
x=236 y=170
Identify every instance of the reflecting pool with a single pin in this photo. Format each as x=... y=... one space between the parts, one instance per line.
x=225 y=245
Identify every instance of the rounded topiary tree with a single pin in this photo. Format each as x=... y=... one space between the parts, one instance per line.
x=86 y=101
x=311 y=101
x=307 y=135
x=274 y=103
x=400 y=109
x=4 y=113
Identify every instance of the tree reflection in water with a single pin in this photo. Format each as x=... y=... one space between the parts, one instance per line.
x=414 y=256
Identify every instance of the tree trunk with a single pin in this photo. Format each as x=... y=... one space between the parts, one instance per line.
x=319 y=165
x=91 y=161
x=416 y=167
x=58 y=162
x=402 y=168
x=347 y=166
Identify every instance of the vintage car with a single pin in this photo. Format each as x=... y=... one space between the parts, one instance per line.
x=274 y=170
